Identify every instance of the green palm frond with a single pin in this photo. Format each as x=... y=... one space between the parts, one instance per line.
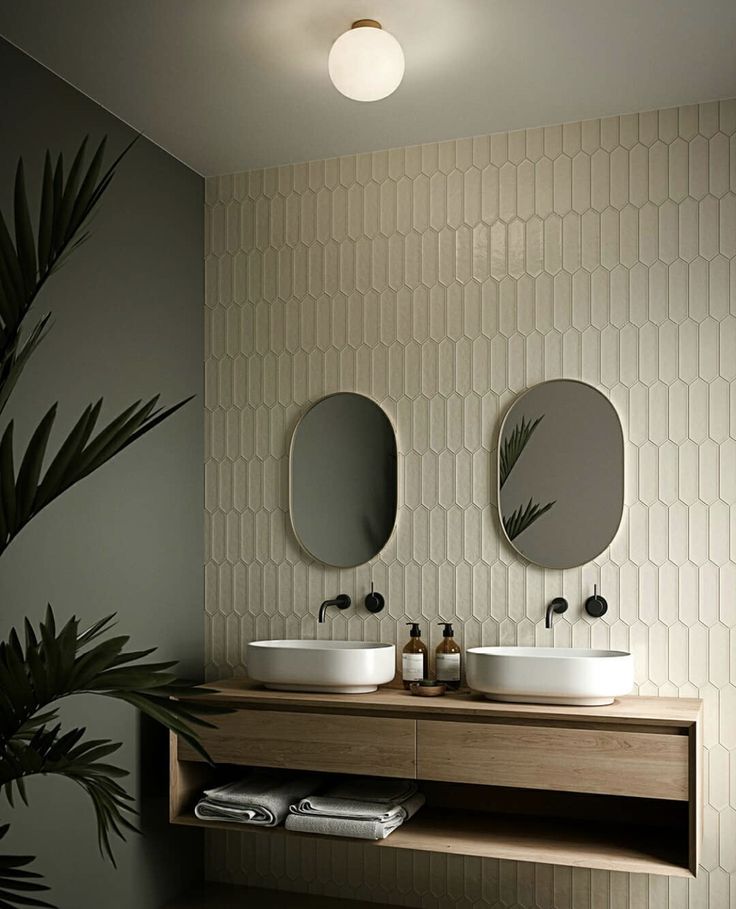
x=17 y=883
x=52 y=664
x=524 y=517
x=513 y=445
x=50 y=751
x=25 y=494
x=67 y=202
x=16 y=358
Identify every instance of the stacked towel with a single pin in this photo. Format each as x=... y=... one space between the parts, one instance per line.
x=262 y=797
x=361 y=807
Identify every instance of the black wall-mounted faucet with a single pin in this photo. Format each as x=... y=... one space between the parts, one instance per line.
x=558 y=605
x=342 y=601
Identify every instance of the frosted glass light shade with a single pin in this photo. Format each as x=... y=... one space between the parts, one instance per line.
x=366 y=63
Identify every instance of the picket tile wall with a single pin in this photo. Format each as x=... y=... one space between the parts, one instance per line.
x=442 y=280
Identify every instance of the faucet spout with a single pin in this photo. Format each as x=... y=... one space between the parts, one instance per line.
x=342 y=601
x=558 y=605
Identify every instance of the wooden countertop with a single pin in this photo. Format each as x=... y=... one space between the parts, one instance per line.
x=649 y=711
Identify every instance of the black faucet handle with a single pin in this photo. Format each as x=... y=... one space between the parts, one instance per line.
x=596 y=605
x=374 y=602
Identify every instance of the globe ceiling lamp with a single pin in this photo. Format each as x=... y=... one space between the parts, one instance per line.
x=366 y=63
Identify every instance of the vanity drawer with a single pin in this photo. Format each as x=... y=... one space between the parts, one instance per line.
x=605 y=761
x=380 y=746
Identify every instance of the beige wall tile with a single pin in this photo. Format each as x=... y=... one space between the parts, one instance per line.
x=442 y=280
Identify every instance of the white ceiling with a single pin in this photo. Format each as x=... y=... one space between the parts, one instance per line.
x=228 y=85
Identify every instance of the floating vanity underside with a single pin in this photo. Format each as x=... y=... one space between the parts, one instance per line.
x=615 y=787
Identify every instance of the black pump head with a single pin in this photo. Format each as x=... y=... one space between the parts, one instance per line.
x=447 y=631
x=415 y=630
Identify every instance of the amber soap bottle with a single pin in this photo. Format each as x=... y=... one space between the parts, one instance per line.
x=414 y=657
x=447 y=658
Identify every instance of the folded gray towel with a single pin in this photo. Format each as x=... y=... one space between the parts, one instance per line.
x=360 y=798
x=324 y=806
x=262 y=797
x=359 y=828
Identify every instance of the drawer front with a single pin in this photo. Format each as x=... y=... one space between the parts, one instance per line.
x=311 y=741
x=610 y=762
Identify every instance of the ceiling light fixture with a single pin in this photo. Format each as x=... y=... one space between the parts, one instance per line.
x=366 y=63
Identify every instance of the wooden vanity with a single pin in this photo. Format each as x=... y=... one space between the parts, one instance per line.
x=614 y=787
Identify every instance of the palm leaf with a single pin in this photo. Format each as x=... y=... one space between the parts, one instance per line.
x=12 y=270
x=58 y=194
x=65 y=754
x=172 y=714
x=17 y=882
x=64 y=212
x=51 y=664
x=30 y=468
x=24 y=240
x=101 y=626
x=86 y=190
x=66 y=207
x=68 y=451
x=24 y=496
x=17 y=359
x=46 y=215
x=513 y=445
x=524 y=517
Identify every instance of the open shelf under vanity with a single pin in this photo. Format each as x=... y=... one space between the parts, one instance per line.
x=615 y=788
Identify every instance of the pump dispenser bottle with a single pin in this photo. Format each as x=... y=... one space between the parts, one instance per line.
x=447 y=658
x=414 y=658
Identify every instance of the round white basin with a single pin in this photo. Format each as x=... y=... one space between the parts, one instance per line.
x=550 y=675
x=342 y=667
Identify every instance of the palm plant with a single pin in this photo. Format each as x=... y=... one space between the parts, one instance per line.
x=51 y=665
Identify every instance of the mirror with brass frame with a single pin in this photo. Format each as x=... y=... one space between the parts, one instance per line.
x=561 y=473
x=343 y=480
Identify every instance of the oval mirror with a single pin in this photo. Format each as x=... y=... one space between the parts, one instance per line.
x=561 y=473
x=343 y=486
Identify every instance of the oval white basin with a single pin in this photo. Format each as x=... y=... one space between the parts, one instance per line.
x=550 y=675
x=342 y=667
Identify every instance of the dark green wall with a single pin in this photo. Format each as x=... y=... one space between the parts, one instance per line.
x=128 y=323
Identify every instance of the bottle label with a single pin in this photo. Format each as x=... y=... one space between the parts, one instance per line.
x=412 y=667
x=448 y=667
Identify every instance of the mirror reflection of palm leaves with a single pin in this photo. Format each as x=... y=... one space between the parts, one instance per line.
x=511 y=449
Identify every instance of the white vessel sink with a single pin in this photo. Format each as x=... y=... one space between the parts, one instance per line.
x=550 y=675
x=342 y=667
